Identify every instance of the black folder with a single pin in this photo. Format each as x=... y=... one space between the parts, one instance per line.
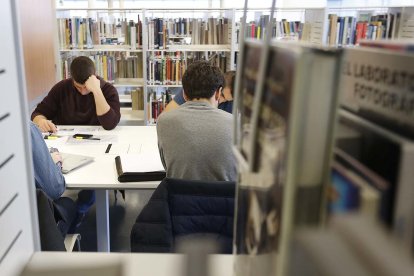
x=136 y=176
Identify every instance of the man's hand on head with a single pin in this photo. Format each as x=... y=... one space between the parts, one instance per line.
x=93 y=84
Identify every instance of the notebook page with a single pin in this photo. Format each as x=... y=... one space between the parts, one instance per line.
x=143 y=162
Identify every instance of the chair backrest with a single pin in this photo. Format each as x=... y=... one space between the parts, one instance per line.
x=55 y=218
x=180 y=208
x=51 y=238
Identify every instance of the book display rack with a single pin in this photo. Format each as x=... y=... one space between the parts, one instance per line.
x=294 y=176
x=149 y=49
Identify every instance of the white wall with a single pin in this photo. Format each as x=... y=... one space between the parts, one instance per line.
x=369 y=3
x=233 y=3
x=192 y=3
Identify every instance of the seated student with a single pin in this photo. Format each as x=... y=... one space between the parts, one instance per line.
x=226 y=98
x=47 y=166
x=195 y=140
x=175 y=102
x=48 y=177
x=84 y=99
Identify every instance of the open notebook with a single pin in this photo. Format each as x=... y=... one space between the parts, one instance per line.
x=139 y=167
x=73 y=161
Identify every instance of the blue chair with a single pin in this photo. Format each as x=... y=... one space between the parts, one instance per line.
x=181 y=208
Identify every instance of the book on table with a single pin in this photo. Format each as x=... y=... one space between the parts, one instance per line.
x=139 y=167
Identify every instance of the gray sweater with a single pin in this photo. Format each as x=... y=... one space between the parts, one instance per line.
x=195 y=143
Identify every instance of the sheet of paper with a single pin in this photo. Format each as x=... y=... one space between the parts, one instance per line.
x=149 y=148
x=69 y=131
x=117 y=149
x=56 y=142
x=102 y=139
x=135 y=149
x=144 y=162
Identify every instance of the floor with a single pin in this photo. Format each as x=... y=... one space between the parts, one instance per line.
x=122 y=215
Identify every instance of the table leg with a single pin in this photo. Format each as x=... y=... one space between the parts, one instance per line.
x=102 y=220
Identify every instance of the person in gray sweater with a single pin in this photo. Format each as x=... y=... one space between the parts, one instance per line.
x=195 y=140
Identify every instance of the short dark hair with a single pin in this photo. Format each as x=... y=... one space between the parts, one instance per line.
x=201 y=80
x=81 y=69
x=229 y=80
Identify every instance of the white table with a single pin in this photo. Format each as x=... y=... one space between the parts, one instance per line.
x=101 y=174
x=132 y=263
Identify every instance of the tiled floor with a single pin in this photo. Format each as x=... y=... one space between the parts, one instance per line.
x=122 y=215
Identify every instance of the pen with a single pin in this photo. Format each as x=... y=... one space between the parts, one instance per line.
x=108 y=148
x=82 y=138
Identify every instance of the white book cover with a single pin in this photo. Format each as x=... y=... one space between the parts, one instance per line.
x=338 y=27
x=345 y=30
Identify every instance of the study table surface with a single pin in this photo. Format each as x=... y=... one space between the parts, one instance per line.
x=101 y=174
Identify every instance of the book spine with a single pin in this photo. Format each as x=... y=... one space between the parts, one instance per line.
x=133 y=39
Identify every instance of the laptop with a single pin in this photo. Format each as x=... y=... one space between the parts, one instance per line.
x=74 y=161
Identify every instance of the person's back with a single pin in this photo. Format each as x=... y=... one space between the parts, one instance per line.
x=195 y=140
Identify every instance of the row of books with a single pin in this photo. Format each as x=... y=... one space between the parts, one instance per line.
x=349 y=30
x=110 y=66
x=219 y=60
x=129 y=66
x=256 y=29
x=157 y=104
x=294 y=30
x=137 y=99
x=169 y=68
x=84 y=33
x=164 y=32
x=166 y=71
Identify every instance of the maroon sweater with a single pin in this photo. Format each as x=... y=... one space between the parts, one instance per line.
x=64 y=105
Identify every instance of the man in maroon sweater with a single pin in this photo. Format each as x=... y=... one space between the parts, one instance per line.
x=83 y=99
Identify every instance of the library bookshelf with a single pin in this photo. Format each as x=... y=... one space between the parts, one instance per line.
x=146 y=49
x=154 y=55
